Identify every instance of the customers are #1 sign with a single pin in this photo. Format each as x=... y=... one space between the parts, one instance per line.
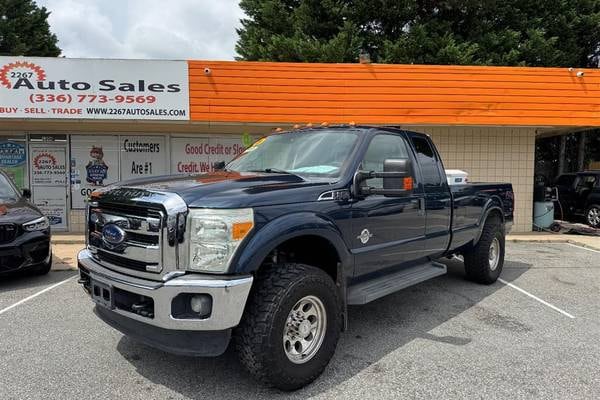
x=34 y=87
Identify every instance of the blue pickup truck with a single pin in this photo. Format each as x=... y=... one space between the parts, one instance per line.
x=268 y=251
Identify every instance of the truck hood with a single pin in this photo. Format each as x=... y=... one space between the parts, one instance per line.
x=18 y=211
x=232 y=189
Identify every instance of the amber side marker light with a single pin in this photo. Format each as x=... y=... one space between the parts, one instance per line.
x=408 y=183
x=240 y=230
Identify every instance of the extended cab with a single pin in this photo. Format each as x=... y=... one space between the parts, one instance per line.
x=271 y=249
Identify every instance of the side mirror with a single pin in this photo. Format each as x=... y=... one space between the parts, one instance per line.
x=27 y=193
x=396 y=175
x=399 y=169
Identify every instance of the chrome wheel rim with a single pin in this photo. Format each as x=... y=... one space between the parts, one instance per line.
x=594 y=216
x=304 y=330
x=494 y=254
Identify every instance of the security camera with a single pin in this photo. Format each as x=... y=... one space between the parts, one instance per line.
x=580 y=74
x=207 y=71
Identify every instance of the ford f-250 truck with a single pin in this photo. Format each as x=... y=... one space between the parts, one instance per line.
x=270 y=250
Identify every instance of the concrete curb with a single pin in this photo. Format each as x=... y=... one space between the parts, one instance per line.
x=66 y=239
x=556 y=240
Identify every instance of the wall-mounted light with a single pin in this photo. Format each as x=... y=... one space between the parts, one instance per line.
x=580 y=74
x=207 y=71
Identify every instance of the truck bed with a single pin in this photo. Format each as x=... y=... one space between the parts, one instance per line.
x=470 y=201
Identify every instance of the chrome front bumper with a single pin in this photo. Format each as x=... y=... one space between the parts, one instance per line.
x=229 y=295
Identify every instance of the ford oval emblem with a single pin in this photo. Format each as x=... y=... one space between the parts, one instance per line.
x=113 y=234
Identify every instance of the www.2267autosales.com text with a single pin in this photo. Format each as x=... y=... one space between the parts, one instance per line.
x=38 y=110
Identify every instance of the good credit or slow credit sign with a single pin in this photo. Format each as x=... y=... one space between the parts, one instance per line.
x=33 y=87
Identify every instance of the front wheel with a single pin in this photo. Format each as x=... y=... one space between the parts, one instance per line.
x=290 y=327
x=484 y=262
x=592 y=216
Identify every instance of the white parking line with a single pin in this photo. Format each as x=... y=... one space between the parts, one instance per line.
x=35 y=295
x=583 y=248
x=536 y=298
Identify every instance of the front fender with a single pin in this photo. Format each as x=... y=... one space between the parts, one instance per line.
x=287 y=227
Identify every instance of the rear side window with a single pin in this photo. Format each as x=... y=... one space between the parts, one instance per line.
x=427 y=161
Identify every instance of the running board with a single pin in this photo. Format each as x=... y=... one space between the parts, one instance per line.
x=366 y=292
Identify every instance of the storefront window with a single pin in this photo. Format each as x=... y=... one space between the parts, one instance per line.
x=13 y=159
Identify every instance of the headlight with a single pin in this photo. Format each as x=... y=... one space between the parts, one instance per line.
x=38 y=224
x=215 y=236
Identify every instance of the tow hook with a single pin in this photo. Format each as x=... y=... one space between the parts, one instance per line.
x=143 y=309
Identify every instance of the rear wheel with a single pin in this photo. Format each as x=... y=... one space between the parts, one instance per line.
x=290 y=327
x=592 y=216
x=484 y=262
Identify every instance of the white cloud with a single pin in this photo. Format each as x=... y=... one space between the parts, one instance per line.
x=162 y=29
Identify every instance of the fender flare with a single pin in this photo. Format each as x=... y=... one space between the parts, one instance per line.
x=493 y=204
x=287 y=227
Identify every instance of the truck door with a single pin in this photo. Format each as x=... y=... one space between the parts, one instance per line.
x=437 y=196
x=386 y=231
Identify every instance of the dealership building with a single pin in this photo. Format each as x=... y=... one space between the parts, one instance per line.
x=68 y=126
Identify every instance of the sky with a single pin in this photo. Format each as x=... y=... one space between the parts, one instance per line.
x=148 y=29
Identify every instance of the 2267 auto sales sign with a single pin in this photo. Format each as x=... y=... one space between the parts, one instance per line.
x=34 y=87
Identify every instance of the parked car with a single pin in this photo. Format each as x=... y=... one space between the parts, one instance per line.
x=579 y=196
x=273 y=248
x=24 y=232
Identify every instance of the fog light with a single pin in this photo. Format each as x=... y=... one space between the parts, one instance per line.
x=201 y=304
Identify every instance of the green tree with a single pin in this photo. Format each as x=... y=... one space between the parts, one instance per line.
x=484 y=32
x=24 y=30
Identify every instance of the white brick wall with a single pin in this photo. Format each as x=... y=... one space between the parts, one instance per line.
x=492 y=154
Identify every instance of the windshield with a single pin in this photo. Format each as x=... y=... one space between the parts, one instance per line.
x=314 y=153
x=6 y=189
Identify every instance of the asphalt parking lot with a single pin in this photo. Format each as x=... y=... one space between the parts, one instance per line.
x=446 y=338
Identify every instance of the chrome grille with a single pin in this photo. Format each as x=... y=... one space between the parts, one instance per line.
x=145 y=234
x=141 y=248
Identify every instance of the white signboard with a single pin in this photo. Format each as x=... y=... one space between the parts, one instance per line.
x=48 y=165
x=143 y=156
x=51 y=202
x=34 y=87
x=94 y=163
x=197 y=155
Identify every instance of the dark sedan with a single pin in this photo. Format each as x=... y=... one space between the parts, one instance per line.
x=24 y=232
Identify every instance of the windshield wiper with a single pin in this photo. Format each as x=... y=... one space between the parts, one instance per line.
x=277 y=171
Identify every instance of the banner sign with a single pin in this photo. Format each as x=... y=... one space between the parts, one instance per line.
x=197 y=155
x=94 y=163
x=48 y=166
x=13 y=157
x=51 y=202
x=143 y=156
x=35 y=87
